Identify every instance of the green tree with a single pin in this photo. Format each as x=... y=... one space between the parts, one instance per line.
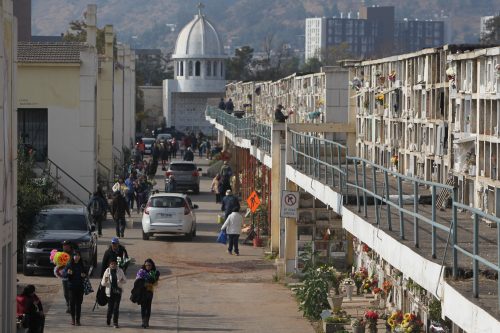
x=32 y=194
x=238 y=67
x=491 y=36
x=331 y=55
x=77 y=32
x=312 y=65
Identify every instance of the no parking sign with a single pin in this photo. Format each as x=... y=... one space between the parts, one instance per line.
x=289 y=204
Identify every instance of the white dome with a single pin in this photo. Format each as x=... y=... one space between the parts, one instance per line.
x=199 y=39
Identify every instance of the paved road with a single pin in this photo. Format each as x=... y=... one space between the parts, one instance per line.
x=202 y=288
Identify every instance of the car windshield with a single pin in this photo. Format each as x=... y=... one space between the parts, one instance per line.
x=182 y=167
x=148 y=141
x=167 y=202
x=61 y=222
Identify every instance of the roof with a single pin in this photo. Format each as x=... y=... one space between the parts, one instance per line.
x=199 y=39
x=49 y=52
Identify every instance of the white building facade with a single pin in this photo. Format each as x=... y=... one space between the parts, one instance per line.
x=8 y=168
x=315 y=37
x=199 y=72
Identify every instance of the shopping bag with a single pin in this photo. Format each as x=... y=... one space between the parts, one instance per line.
x=87 y=287
x=220 y=219
x=222 y=238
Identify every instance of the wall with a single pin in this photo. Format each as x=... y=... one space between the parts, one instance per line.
x=153 y=106
x=118 y=105
x=8 y=167
x=69 y=94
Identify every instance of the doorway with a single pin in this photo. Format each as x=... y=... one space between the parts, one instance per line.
x=32 y=126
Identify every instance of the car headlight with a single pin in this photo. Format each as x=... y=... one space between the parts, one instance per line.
x=32 y=244
x=84 y=245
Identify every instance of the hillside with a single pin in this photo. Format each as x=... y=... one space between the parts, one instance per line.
x=245 y=22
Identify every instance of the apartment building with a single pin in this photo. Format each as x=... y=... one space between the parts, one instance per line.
x=374 y=32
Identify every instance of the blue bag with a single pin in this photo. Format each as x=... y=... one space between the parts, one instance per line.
x=222 y=238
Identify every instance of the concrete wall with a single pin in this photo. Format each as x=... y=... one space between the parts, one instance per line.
x=153 y=106
x=8 y=167
x=105 y=107
x=68 y=92
x=118 y=102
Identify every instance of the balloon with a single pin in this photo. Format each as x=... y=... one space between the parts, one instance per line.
x=52 y=255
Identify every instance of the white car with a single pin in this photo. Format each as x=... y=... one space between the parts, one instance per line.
x=169 y=213
x=148 y=145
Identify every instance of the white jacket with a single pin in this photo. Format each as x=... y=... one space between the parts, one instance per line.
x=233 y=224
x=106 y=279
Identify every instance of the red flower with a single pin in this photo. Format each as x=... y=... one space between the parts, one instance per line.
x=366 y=248
x=371 y=315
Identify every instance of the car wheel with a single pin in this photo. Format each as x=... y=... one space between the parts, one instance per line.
x=145 y=236
x=27 y=271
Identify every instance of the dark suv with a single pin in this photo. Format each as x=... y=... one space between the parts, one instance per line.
x=186 y=175
x=52 y=226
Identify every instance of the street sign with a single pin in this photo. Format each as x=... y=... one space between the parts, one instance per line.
x=253 y=201
x=289 y=204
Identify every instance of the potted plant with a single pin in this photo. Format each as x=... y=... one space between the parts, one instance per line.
x=358 y=325
x=371 y=318
x=335 y=322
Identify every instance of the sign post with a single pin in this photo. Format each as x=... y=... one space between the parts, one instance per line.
x=289 y=204
x=253 y=202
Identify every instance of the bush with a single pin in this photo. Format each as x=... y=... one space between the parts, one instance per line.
x=32 y=194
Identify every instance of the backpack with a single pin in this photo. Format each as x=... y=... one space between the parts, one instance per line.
x=95 y=207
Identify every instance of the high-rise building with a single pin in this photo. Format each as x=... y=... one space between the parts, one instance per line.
x=22 y=10
x=373 y=33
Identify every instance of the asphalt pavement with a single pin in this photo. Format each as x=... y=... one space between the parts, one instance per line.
x=202 y=288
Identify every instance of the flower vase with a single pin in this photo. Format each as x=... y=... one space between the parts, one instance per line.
x=358 y=329
x=349 y=289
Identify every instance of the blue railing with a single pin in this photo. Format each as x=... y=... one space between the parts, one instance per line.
x=391 y=194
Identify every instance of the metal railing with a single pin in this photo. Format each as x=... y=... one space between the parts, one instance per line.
x=393 y=196
x=55 y=173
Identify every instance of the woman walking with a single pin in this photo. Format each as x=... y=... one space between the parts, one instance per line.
x=113 y=279
x=76 y=273
x=215 y=188
x=146 y=280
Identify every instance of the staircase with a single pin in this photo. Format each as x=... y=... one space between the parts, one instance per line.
x=445 y=194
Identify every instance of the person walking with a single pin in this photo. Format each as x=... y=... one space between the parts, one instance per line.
x=30 y=306
x=229 y=106
x=97 y=211
x=116 y=252
x=215 y=188
x=222 y=105
x=146 y=280
x=118 y=209
x=76 y=273
x=230 y=203
x=189 y=155
x=113 y=279
x=68 y=247
x=232 y=225
x=130 y=193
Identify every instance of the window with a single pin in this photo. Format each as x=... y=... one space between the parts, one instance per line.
x=197 y=69
x=61 y=222
x=190 y=68
x=167 y=202
x=214 y=68
x=209 y=68
x=181 y=70
x=221 y=69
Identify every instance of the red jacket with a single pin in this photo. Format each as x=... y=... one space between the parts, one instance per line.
x=28 y=304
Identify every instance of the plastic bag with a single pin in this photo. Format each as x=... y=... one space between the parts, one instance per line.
x=222 y=238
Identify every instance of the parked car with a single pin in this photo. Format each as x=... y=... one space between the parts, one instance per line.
x=186 y=175
x=169 y=213
x=148 y=144
x=164 y=137
x=52 y=226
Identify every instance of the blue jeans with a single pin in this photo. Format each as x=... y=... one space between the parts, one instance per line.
x=233 y=242
x=120 y=227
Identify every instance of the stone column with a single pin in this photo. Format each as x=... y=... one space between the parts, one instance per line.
x=277 y=184
x=91 y=20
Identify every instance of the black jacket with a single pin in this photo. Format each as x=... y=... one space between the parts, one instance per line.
x=138 y=292
x=110 y=254
x=279 y=116
x=188 y=156
x=229 y=203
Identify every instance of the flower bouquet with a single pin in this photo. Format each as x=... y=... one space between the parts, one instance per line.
x=380 y=99
x=358 y=278
x=410 y=324
x=392 y=76
x=395 y=160
x=371 y=318
x=394 y=320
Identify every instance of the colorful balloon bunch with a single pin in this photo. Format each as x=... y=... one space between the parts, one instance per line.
x=60 y=259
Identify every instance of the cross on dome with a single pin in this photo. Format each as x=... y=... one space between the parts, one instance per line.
x=200 y=7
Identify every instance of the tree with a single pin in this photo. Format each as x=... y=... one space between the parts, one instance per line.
x=312 y=65
x=491 y=34
x=77 y=32
x=237 y=67
x=32 y=194
x=332 y=54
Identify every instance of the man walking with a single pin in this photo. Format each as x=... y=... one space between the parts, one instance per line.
x=233 y=228
x=97 y=210
x=118 y=209
x=115 y=252
x=230 y=204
